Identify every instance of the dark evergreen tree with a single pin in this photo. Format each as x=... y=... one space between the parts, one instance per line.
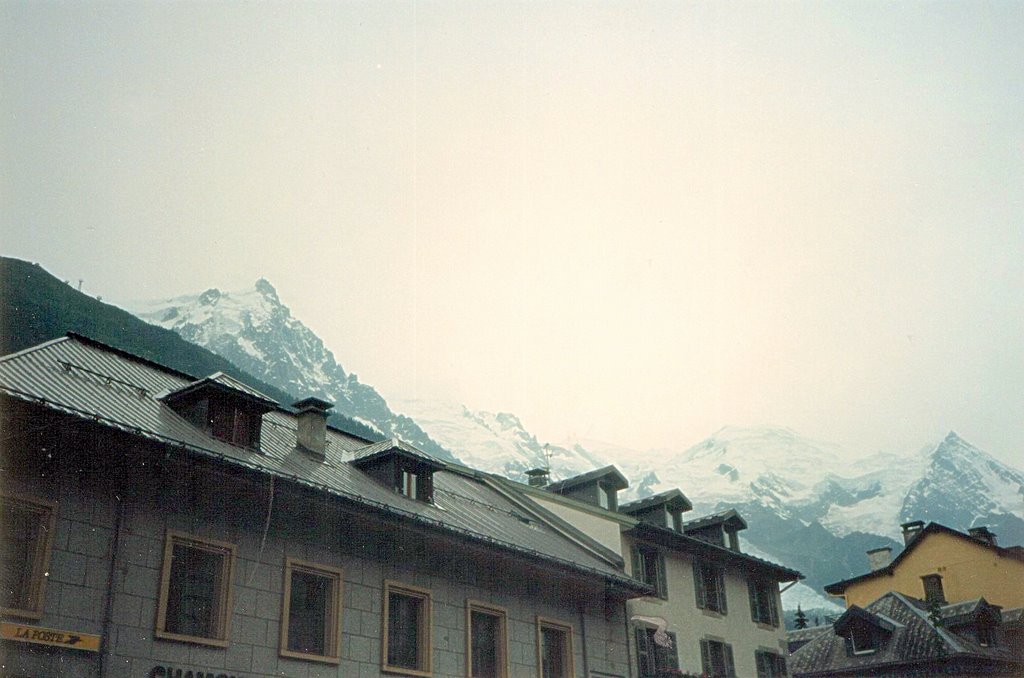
x=801 y=619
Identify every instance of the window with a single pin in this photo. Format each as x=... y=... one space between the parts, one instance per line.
x=709 y=581
x=195 y=590
x=933 y=588
x=235 y=425
x=414 y=483
x=763 y=606
x=409 y=485
x=407 y=640
x=554 y=649
x=310 y=624
x=986 y=635
x=861 y=639
x=487 y=640
x=649 y=567
x=654 y=657
x=770 y=664
x=716 y=658
x=26 y=535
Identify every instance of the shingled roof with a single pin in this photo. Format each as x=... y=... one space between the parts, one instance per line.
x=912 y=643
x=91 y=381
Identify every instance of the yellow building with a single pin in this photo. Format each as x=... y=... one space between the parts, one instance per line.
x=940 y=563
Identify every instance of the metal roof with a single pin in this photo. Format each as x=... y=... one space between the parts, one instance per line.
x=729 y=516
x=114 y=389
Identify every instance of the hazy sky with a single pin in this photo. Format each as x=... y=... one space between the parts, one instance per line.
x=635 y=222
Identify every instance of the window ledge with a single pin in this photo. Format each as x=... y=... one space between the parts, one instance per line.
x=712 y=613
x=766 y=627
x=23 y=614
x=196 y=640
x=290 y=654
x=406 y=672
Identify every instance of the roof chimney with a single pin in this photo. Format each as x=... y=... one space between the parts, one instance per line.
x=984 y=534
x=312 y=420
x=911 y=530
x=880 y=557
x=538 y=477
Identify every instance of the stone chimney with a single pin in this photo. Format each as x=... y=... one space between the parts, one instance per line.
x=880 y=557
x=312 y=420
x=982 y=533
x=911 y=530
x=538 y=477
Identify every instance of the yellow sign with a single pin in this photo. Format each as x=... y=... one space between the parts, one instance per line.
x=41 y=636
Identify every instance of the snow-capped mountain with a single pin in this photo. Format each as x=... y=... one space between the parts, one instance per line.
x=495 y=442
x=255 y=331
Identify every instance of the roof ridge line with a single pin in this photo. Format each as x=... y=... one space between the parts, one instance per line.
x=37 y=347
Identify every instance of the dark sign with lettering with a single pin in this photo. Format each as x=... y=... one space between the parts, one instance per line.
x=171 y=672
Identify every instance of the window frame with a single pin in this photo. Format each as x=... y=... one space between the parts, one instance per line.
x=37 y=574
x=763 y=599
x=776 y=664
x=642 y=554
x=720 y=605
x=563 y=627
x=933 y=591
x=223 y=619
x=865 y=633
x=332 y=630
x=706 y=659
x=424 y=632
x=649 y=653
x=501 y=613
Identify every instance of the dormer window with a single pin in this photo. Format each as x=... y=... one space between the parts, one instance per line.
x=863 y=631
x=664 y=510
x=401 y=467
x=597 y=488
x=986 y=634
x=224 y=408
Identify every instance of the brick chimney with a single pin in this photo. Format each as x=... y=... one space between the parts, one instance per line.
x=538 y=477
x=911 y=530
x=880 y=557
x=982 y=533
x=312 y=421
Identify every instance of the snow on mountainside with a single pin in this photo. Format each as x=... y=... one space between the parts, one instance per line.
x=495 y=442
x=255 y=331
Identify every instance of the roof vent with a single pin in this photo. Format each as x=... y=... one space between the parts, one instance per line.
x=911 y=530
x=538 y=477
x=312 y=425
x=982 y=533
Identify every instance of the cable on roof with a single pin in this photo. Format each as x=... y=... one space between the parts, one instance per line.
x=108 y=380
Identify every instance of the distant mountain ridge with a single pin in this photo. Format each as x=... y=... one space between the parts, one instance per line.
x=254 y=330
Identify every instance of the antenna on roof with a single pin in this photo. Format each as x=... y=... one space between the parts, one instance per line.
x=547 y=456
x=80 y=281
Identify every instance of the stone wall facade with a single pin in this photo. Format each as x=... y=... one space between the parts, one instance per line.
x=119 y=495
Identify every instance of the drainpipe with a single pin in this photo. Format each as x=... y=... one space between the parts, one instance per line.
x=108 y=614
x=583 y=642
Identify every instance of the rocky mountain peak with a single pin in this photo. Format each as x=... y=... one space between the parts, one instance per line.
x=267 y=290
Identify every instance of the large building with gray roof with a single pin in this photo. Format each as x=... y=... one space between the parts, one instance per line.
x=160 y=525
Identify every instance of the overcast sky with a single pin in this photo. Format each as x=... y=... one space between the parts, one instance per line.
x=633 y=222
